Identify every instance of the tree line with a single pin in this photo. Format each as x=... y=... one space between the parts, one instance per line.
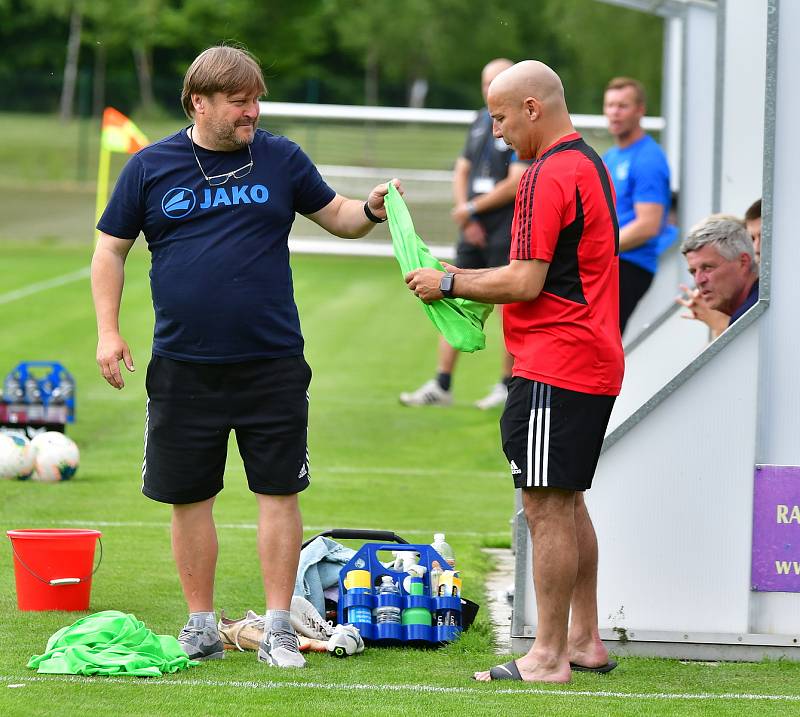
x=78 y=55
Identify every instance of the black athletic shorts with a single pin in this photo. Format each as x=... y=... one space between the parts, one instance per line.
x=634 y=281
x=191 y=410
x=495 y=253
x=552 y=436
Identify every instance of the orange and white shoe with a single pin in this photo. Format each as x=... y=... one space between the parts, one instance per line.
x=246 y=633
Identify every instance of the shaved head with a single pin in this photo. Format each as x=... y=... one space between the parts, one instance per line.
x=526 y=102
x=530 y=78
x=492 y=70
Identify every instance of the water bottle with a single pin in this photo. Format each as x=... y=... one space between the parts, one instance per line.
x=385 y=614
x=62 y=391
x=12 y=389
x=444 y=549
x=416 y=615
x=435 y=576
x=357 y=582
x=32 y=392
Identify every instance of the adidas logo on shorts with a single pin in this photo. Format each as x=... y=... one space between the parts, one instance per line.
x=515 y=471
x=303 y=472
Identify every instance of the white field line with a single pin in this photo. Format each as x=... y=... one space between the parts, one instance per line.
x=411 y=689
x=44 y=285
x=391 y=471
x=252 y=526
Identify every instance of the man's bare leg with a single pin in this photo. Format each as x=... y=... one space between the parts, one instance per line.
x=194 y=547
x=280 y=533
x=585 y=646
x=550 y=513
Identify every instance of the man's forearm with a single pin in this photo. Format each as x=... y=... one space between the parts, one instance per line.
x=108 y=278
x=634 y=234
x=501 y=195
x=645 y=225
x=352 y=220
x=493 y=286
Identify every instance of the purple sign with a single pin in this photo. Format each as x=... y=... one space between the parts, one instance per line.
x=775 y=565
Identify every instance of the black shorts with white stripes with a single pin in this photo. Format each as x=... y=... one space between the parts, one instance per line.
x=193 y=407
x=552 y=436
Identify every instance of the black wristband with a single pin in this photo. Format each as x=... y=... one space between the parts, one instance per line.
x=371 y=216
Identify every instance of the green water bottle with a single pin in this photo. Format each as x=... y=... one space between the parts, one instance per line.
x=416 y=615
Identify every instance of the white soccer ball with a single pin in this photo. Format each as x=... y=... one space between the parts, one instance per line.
x=16 y=457
x=57 y=457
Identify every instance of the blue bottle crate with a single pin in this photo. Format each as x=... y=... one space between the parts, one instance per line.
x=53 y=404
x=391 y=633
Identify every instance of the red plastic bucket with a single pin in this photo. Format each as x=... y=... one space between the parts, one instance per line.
x=53 y=568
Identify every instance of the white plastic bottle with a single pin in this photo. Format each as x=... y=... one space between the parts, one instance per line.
x=387 y=613
x=443 y=548
x=435 y=574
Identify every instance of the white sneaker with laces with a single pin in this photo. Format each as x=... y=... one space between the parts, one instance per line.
x=496 y=397
x=244 y=634
x=307 y=621
x=429 y=394
x=280 y=648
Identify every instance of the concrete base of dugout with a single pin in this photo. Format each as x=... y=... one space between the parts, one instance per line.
x=728 y=648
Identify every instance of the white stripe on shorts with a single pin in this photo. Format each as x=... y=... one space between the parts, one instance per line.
x=540 y=423
x=146 y=427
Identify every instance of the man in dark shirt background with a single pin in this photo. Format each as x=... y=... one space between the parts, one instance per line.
x=485 y=181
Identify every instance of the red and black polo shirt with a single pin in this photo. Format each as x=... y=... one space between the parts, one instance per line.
x=564 y=214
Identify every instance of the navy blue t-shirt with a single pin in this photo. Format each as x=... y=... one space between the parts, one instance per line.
x=220 y=276
x=749 y=303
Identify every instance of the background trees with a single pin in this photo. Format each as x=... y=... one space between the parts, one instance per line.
x=77 y=55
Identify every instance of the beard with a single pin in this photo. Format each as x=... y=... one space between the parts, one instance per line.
x=225 y=134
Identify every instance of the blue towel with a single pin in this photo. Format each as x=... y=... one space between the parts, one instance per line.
x=320 y=563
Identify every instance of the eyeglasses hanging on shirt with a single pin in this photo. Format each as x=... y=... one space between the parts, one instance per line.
x=217 y=180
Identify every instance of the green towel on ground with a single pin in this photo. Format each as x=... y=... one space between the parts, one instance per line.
x=110 y=643
x=460 y=321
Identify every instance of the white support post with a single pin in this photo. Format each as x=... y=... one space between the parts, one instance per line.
x=778 y=381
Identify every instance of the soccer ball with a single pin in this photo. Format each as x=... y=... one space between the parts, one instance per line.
x=16 y=457
x=57 y=457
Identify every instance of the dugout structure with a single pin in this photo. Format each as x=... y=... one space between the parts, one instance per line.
x=701 y=429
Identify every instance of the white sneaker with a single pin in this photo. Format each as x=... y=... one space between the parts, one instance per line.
x=307 y=621
x=496 y=397
x=345 y=641
x=429 y=394
x=280 y=648
x=246 y=633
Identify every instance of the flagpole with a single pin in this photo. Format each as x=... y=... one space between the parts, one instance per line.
x=118 y=134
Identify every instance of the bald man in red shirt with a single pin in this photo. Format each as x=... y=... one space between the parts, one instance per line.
x=561 y=324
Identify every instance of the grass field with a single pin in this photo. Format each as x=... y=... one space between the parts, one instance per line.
x=375 y=464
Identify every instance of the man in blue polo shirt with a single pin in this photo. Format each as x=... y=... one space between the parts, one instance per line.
x=640 y=173
x=216 y=202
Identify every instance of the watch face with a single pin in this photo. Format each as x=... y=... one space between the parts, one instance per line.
x=446 y=284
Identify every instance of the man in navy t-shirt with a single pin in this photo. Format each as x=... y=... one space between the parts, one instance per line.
x=640 y=173
x=216 y=202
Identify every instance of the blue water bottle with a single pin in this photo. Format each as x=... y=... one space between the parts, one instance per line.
x=358 y=582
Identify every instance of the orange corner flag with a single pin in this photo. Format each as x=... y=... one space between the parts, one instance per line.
x=120 y=134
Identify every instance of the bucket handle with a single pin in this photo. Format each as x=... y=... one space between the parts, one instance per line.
x=60 y=581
